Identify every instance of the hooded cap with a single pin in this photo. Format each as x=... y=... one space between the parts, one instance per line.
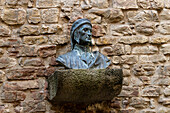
x=76 y=25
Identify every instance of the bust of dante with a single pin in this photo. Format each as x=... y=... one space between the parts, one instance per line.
x=80 y=56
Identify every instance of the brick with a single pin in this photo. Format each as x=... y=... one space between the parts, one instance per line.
x=151 y=91
x=14 y=16
x=20 y=85
x=134 y=40
x=143 y=15
x=21 y=74
x=46 y=51
x=106 y=40
x=50 y=15
x=13 y=96
x=128 y=91
x=163 y=28
x=165 y=49
x=151 y=4
x=33 y=16
x=39 y=95
x=41 y=72
x=29 y=30
x=144 y=50
x=138 y=102
x=145 y=28
x=59 y=39
x=121 y=30
x=51 y=29
x=126 y=4
x=35 y=40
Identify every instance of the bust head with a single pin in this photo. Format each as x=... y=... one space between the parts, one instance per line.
x=81 y=32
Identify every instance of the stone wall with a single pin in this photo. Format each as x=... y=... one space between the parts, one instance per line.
x=134 y=34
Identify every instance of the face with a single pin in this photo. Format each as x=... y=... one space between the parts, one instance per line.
x=85 y=34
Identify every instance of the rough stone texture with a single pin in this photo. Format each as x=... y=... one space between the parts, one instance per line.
x=14 y=16
x=134 y=34
x=125 y=4
x=71 y=85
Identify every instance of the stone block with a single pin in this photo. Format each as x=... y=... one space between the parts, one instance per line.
x=95 y=19
x=143 y=70
x=145 y=50
x=120 y=30
x=129 y=110
x=16 y=3
x=151 y=4
x=144 y=15
x=165 y=49
x=51 y=29
x=14 y=16
x=50 y=15
x=106 y=40
x=128 y=91
x=29 y=30
x=125 y=4
x=59 y=39
x=145 y=28
x=70 y=3
x=23 y=50
x=134 y=39
x=145 y=80
x=21 y=74
x=167 y=3
x=151 y=91
x=129 y=59
x=47 y=3
x=166 y=70
x=20 y=85
x=84 y=85
x=33 y=16
x=110 y=15
x=2 y=76
x=165 y=14
x=7 y=62
x=152 y=58
x=8 y=42
x=36 y=62
x=99 y=30
x=167 y=91
x=160 y=80
x=30 y=40
x=5 y=31
x=46 y=51
x=148 y=111
x=34 y=106
x=13 y=96
x=87 y=4
x=138 y=102
x=158 y=39
x=164 y=28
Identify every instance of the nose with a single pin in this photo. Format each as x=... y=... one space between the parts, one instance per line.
x=89 y=33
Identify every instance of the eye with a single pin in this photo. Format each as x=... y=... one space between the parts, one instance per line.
x=85 y=29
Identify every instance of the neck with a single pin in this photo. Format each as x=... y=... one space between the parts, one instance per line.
x=82 y=48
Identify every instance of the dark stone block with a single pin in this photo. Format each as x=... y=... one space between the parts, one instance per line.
x=84 y=85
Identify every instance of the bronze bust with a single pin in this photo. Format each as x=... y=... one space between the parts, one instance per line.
x=80 y=56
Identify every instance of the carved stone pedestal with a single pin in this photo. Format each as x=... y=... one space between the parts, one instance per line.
x=84 y=86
